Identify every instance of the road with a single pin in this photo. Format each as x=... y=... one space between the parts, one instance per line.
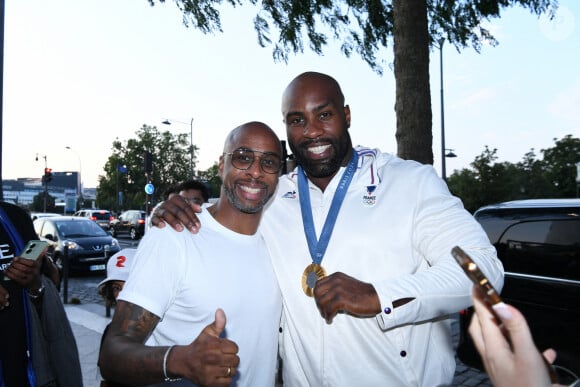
x=83 y=290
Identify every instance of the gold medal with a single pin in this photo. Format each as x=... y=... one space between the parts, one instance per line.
x=310 y=277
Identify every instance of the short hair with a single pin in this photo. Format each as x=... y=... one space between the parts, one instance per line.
x=171 y=189
x=194 y=184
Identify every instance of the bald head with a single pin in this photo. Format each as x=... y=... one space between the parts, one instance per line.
x=309 y=82
x=243 y=135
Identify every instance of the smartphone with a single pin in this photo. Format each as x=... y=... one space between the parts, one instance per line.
x=476 y=275
x=34 y=249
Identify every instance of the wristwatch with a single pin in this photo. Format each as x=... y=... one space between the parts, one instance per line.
x=36 y=293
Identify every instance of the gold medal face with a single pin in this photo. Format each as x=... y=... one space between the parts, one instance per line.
x=310 y=277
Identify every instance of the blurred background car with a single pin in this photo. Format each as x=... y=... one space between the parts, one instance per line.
x=538 y=242
x=102 y=217
x=130 y=222
x=36 y=215
x=89 y=246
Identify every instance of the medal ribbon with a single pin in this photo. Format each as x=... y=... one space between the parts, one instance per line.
x=318 y=248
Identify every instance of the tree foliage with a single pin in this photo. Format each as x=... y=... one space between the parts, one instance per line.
x=38 y=205
x=366 y=27
x=489 y=181
x=125 y=168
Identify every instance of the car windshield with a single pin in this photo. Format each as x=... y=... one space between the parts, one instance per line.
x=75 y=228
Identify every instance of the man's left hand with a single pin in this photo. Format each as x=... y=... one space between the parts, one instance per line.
x=340 y=293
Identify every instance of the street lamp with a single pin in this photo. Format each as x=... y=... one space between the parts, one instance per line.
x=443 y=172
x=168 y=122
x=80 y=179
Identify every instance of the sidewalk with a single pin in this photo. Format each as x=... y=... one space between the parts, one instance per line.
x=88 y=322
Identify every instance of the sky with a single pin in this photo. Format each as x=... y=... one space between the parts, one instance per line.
x=81 y=74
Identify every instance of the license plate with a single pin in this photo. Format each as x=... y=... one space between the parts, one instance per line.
x=96 y=267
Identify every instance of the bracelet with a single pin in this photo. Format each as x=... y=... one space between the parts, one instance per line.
x=39 y=292
x=165 y=377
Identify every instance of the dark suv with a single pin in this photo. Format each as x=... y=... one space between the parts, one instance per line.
x=130 y=222
x=538 y=242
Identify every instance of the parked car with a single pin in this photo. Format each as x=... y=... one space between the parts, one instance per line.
x=89 y=246
x=538 y=242
x=102 y=217
x=35 y=215
x=130 y=222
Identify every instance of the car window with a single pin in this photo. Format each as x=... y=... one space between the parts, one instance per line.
x=549 y=248
x=101 y=215
x=79 y=228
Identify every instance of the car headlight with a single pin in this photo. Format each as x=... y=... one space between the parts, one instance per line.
x=71 y=245
x=115 y=243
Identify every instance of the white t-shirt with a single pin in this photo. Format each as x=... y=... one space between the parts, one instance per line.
x=395 y=230
x=183 y=278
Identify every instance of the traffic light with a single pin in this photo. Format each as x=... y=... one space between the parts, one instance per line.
x=148 y=162
x=47 y=175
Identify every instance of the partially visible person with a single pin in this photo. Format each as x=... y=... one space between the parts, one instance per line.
x=118 y=268
x=194 y=191
x=32 y=317
x=205 y=308
x=370 y=280
x=507 y=348
x=170 y=191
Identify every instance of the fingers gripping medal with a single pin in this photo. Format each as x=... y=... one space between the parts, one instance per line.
x=310 y=277
x=317 y=248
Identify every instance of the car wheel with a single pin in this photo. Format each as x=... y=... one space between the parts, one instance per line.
x=134 y=234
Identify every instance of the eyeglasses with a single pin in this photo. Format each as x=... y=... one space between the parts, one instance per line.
x=243 y=159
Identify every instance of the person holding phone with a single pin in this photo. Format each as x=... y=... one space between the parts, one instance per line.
x=32 y=317
x=507 y=349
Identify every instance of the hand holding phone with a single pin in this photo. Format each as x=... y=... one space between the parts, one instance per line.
x=493 y=300
x=33 y=250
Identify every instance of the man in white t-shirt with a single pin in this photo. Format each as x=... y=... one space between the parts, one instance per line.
x=205 y=309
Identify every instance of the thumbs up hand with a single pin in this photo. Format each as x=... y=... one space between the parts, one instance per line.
x=209 y=360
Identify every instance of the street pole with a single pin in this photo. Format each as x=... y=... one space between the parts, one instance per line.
x=443 y=172
x=191 y=173
x=191 y=152
x=577 y=178
x=44 y=181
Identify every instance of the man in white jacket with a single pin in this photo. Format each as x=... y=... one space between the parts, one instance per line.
x=368 y=281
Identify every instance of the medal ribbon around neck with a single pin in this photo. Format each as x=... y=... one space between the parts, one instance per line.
x=315 y=271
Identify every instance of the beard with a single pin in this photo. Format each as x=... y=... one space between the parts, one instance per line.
x=323 y=167
x=240 y=206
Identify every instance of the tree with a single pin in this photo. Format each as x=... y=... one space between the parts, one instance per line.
x=488 y=181
x=37 y=204
x=212 y=179
x=560 y=164
x=125 y=168
x=365 y=27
